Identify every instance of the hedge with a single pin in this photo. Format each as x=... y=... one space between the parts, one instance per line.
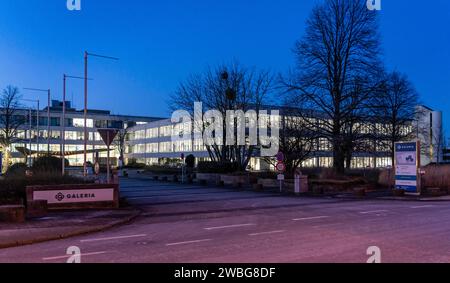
x=217 y=167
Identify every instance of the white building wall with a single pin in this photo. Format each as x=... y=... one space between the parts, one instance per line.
x=429 y=131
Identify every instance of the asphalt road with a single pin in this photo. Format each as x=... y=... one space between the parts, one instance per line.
x=193 y=224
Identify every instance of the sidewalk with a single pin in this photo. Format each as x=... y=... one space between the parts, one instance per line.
x=387 y=195
x=375 y=195
x=60 y=225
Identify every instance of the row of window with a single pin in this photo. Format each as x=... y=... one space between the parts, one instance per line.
x=57 y=148
x=258 y=164
x=73 y=122
x=182 y=128
x=168 y=147
x=69 y=135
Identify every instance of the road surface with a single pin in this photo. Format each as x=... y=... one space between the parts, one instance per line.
x=194 y=224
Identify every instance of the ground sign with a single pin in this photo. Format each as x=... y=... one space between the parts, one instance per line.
x=407 y=162
x=95 y=196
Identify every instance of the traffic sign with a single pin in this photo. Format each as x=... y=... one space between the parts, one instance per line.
x=280 y=156
x=108 y=135
x=281 y=167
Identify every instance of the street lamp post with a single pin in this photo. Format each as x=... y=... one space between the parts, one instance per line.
x=48 y=114
x=37 y=124
x=63 y=125
x=86 y=57
x=29 y=137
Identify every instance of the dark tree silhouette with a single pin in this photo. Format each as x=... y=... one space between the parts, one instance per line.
x=224 y=88
x=10 y=120
x=395 y=109
x=339 y=50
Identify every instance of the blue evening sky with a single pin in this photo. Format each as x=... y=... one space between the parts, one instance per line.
x=161 y=42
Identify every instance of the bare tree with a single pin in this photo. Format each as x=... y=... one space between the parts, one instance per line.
x=439 y=141
x=10 y=121
x=121 y=143
x=224 y=88
x=358 y=130
x=297 y=140
x=395 y=109
x=339 y=50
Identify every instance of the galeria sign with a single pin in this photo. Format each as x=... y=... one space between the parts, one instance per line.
x=83 y=196
x=75 y=196
x=407 y=161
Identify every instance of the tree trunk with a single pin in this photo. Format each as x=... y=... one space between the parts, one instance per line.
x=348 y=160
x=393 y=153
x=338 y=161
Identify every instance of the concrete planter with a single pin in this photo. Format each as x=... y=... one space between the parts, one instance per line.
x=209 y=178
x=398 y=193
x=232 y=180
x=269 y=183
x=360 y=192
x=334 y=186
x=37 y=209
x=12 y=213
x=258 y=187
x=436 y=192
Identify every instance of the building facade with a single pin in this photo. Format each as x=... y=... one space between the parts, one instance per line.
x=151 y=144
x=149 y=139
x=430 y=132
x=41 y=140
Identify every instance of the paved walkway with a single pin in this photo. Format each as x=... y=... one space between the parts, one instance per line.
x=60 y=225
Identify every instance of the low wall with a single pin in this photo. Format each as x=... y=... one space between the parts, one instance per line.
x=289 y=185
x=269 y=183
x=89 y=196
x=231 y=180
x=334 y=186
x=208 y=177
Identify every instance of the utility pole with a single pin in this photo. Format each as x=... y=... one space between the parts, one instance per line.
x=29 y=137
x=37 y=124
x=63 y=125
x=86 y=137
x=48 y=91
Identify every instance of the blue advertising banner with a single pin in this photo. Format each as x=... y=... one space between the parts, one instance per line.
x=406 y=165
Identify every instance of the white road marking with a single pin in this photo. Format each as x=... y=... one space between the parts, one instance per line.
x=327 y=225
x=67 y=256
x=423 y=206
x=188 y=242
x=374 y=211
x=266 y=233
x=113 y=238
x=230 y=226
x=310 y=218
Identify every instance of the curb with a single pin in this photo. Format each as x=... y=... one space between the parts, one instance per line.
x=96 y=229
x=395 y=199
